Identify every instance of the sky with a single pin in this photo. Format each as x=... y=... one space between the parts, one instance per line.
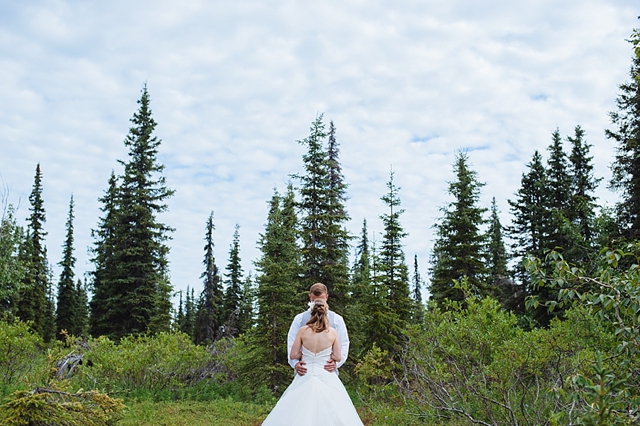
x=235 y=84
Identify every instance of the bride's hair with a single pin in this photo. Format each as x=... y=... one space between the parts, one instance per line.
x=319 y=320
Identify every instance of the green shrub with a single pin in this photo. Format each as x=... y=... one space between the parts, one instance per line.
x=53 y=406
x=19 y=348
x=475 y=364
x=149 y=365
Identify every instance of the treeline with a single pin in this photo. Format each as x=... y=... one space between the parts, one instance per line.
x=554 y=212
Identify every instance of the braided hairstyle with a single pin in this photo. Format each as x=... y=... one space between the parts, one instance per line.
x=319 y=320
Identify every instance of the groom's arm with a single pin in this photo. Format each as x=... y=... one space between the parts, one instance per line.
x=293 y=331
x=341 y=328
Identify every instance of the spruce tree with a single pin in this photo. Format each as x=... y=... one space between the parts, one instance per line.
x=81 y=314
x=246 y=308
x=103 y=303
x=626 y=166
x=459 y=248
x=234 y=285
x=322 y=196
x=210 y=305
x=558 y=199
x=67 y=295
x=530 y=223
x=381 y=324
x=583 y=202
x=418 y=312
x=190 y=310
x=277 y=297
x=337 y=245
x=534 y=231
x=496 y=251
x=360 y=302
x=33 y=303
x=393 y=272
x=141 y=284
x=179 y=319
x=137 y=285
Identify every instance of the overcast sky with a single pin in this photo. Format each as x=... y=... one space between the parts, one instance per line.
x=234 y=85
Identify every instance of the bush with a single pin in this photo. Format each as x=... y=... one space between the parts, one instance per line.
x=475 y=364
x=19 y=348
x=151 y=364
x=52 y=406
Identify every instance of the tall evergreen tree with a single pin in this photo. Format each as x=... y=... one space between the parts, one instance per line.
x=188 y=323
x=67 y=294
x=458 y=251
x=394 y=274
x=381 y=324
x=360 y=303
x=277 y=297
x=234 y=285
x=210 y=305
x=418 y=312
x=530 y=223
x=583 y=202
x=103 y=303
x=337 y=245
x=138 y=286
x=246 y=308
x=361 y=274
x=322 y=197
x=179 y=319
x=81 y=314
x=496 y=251
x=534 y=230
x=626 y=167
x=558 y=199
x=33 y=303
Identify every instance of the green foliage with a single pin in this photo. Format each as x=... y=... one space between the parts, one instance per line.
x=476 y=364
x=325 y=240
x=626 y=167
x=610 y=289
x=33 y=304
x=460 y=246
x=53 y=406
x=209 y=315
x=11 y=268
x=131 y=287
x=277 y=297
x=68 y=299
x=234 y=287
x=608 y=399
x=583 y=202
x=19 y=348
x=152 y=365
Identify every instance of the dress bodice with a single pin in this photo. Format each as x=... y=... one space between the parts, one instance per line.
x=316 y=361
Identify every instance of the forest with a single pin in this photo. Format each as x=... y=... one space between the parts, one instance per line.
x=532 y=322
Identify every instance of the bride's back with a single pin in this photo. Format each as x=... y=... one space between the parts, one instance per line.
x=317 y=342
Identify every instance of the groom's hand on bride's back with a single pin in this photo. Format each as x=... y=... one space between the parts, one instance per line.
x=330 y=366
x=300 y=368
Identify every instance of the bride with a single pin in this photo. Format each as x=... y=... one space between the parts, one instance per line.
x=319 y=397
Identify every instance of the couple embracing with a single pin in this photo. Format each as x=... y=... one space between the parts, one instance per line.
x=317 y=344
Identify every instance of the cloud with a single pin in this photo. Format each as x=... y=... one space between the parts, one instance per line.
x=234 y=85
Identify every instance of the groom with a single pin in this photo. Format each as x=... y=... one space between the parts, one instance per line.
x=318 y=291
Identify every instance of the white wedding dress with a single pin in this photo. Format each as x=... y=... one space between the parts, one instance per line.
x=316 y=399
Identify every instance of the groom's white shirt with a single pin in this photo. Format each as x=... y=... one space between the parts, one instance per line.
x=337 y=322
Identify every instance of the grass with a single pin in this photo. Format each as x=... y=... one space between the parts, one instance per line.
x=225 y=412
x=194 y=413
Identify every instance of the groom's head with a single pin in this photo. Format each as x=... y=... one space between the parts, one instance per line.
x=318 y=291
